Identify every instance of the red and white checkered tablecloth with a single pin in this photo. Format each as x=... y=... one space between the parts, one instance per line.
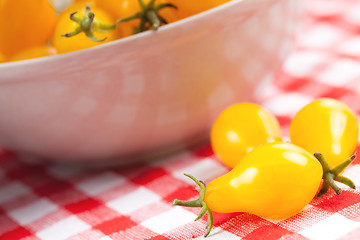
x=46 y=201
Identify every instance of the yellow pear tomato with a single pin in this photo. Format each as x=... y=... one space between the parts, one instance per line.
x=240 y=128
x=80 y=41
x=25 y=24
x=327 y=126
x=275 y=180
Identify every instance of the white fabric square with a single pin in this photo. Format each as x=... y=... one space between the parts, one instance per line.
x=133 y=201
x=33 y=211
x=219 y=234
x=63 y=229
x=351 y=47
x=12 y=190
x=167 y=221
x=100 y=183
x=331 y=228
x=105 y=238
x=340 y=73
x=203 y=170
x=326 y=8
x=287 y=104
x=321 y=35
x=352 y=15
x=303 y=63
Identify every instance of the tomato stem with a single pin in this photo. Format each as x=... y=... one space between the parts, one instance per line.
x=149 y=16
x=332 y=175
x=198 y=203
x=88 y=25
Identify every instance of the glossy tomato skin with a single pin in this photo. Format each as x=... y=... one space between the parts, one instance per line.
x=240 y=128
x=275 y=180
x=120 y=9
x=34 y=52
x=187 y=8
x=80 y=41
x=25 y=24
x=2 y=58
x=327 y=126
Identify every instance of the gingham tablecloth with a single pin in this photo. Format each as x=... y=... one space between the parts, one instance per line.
x=46 y=201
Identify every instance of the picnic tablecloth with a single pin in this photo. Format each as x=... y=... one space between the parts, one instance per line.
x=53 y=201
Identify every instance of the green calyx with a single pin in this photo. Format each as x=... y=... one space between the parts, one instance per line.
x=88 y=25
x=332 y=175
x=198 y=203
x=149 y=16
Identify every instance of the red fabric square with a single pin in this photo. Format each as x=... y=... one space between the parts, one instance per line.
x=115 y=225
x=183 y=193
x=148 y=175
x=16 y=234
x=6 y=224
x=158 y=237
x=339 y=202
x=98 y=215
x=267 y=232
x=24 y=170
x=336 y=92
x=288 y=86
x=52 y=186
x=83 y=206
x=221 y=218
x=204 y=151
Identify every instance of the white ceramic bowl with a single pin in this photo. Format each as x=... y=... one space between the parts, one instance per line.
x=147 y=94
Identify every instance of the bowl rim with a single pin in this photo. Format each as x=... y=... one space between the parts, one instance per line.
x=256 y=4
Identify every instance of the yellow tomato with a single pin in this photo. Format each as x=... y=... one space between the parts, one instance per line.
x=34 y=52
x=240 y=128
x=121 y=9
x=80 y=41
x=188 y=8
x=2 y=58
x=327 y=126
x=24 y=24
x=275 y=180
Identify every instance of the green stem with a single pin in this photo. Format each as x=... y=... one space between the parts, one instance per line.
x=332 y=175
x=149 y=15
x=151 y=4
x=329 y=178
x=345 y=181
x=194 y=203
x=209 y=223
x=142 y=4
x=88 y=25
x=324 y=188
x=154 y=20
x=341 y=167
x=200 y=202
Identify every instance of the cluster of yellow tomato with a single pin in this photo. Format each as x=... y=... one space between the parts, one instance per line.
x=37 y=30
x=271 y=178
